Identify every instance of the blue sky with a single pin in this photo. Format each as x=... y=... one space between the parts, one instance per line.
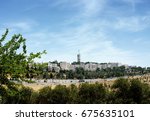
x=103 y=30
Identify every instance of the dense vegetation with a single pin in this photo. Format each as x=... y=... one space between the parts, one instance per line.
x=121 y=71
x=123 y=91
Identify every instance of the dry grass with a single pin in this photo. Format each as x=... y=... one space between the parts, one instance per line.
x=36 y=86
x=108 y=82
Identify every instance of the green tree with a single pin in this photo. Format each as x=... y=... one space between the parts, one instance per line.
x=92 y=93
x=146 y=93
x=44 y=96
x=139 y=92
x=11 y=95
x=25 y=94
x=60 y=95
x=121 y=88
x=14 y=60
x=73 y=94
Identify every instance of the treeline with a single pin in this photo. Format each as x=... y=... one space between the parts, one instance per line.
x=38 y=70
x=123 y=91
x=121 y=71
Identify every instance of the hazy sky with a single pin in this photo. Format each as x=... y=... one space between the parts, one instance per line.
x=103 y=30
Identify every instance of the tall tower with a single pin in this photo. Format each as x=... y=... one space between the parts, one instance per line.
x=78 y=57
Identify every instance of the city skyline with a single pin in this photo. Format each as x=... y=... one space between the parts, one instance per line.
x=103 y=30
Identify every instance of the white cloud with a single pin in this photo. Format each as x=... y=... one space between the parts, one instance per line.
x=88 y=37
x=93 y=44
x=134 y=23
x=21 y=25
x=92 y=7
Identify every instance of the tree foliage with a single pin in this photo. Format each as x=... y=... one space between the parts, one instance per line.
x=123 y=91
x=131 y=91
x=14 y=57
x=14 y=60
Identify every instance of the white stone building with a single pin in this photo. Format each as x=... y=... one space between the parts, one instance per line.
x=65 y=66
x=53 y=66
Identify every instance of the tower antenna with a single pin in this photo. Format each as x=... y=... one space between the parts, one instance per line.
x=78 y=57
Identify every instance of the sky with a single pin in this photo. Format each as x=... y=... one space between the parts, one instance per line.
x=101 y=30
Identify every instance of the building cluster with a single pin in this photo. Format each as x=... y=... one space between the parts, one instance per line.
x=90 y=66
